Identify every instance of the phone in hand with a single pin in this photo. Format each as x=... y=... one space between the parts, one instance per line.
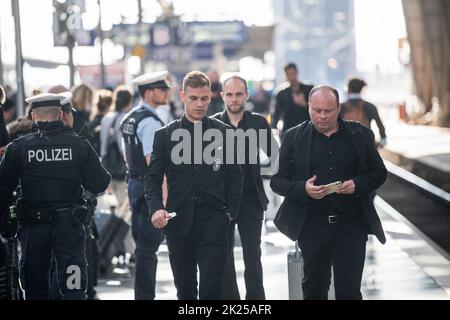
x=332 y=187
x=172 y=215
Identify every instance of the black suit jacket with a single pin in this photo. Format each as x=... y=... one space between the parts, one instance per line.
x=223 y=185
x=255 y=121
x=295 y=170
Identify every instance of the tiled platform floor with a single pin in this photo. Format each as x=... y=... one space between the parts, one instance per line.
x=406 y=267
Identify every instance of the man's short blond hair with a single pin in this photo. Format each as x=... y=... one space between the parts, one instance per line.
x=47 y=113
x=196 y=79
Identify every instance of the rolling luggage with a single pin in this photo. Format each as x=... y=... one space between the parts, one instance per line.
x=295 y=276
x=295 y=273
x=9 y=270
x=113 y=232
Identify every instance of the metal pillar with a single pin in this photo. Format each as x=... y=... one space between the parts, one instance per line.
x=20 y=94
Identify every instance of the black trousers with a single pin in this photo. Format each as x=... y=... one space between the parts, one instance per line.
x=206 y=247
x=93 y=268
x=63 y=242
x=341 y=245
x=249 y=224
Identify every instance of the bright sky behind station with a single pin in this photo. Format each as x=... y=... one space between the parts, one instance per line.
x=378 y=25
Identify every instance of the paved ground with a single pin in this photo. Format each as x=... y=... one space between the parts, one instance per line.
x=407 y=267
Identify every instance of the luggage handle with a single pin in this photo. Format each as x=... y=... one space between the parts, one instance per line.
x=298 y=253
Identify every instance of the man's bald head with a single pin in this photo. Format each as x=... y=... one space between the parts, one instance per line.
x=322 y=88
x=324 y=109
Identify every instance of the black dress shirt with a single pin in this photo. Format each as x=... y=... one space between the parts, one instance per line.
x=333 y=159
x=249 y=189
x=286 y=109
x=201 y=196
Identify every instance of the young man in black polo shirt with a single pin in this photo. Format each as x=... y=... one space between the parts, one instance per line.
x=204 y=194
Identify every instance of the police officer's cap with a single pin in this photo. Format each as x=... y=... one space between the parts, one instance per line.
x=45 y=100
x=66 y=103
x=152 y=80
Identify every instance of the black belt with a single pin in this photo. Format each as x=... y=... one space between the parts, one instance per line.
x=42 y=215
x=336 y=218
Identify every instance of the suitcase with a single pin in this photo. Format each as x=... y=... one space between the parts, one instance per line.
x=295 y=275
x=9 y=270
x=113 y=238
x=4 y=291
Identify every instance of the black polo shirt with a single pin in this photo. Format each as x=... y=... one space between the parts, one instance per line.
x=196 y=170
x=292 y=114
x=333 y=159
x=199 y=172
x=249 y=188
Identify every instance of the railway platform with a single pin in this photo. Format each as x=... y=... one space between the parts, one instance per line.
x=407 y=267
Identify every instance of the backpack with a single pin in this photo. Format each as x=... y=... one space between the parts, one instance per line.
x=113 y=160
x=355 y=112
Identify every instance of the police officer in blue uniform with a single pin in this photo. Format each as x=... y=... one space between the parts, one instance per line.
x=138 y=129
x=67 y=118
x=92 y=249
x=68 y=110
x=52 y=165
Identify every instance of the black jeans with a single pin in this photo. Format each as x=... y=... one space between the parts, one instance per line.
x=205 y=246
x=341 y=245
x=249 y=224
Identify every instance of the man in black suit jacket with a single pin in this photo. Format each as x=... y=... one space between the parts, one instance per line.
x=331 y=229
x=292 y=103
x=205 y=195
x=254 y=200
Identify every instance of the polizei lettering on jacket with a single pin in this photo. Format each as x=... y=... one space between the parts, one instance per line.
x=50 y=155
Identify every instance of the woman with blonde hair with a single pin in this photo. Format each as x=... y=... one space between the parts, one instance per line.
x=82 y=96
x=102 y=102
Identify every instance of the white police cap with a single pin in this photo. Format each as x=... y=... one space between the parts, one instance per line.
x=66 y=103
x=45 y=100
x=152 y=80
